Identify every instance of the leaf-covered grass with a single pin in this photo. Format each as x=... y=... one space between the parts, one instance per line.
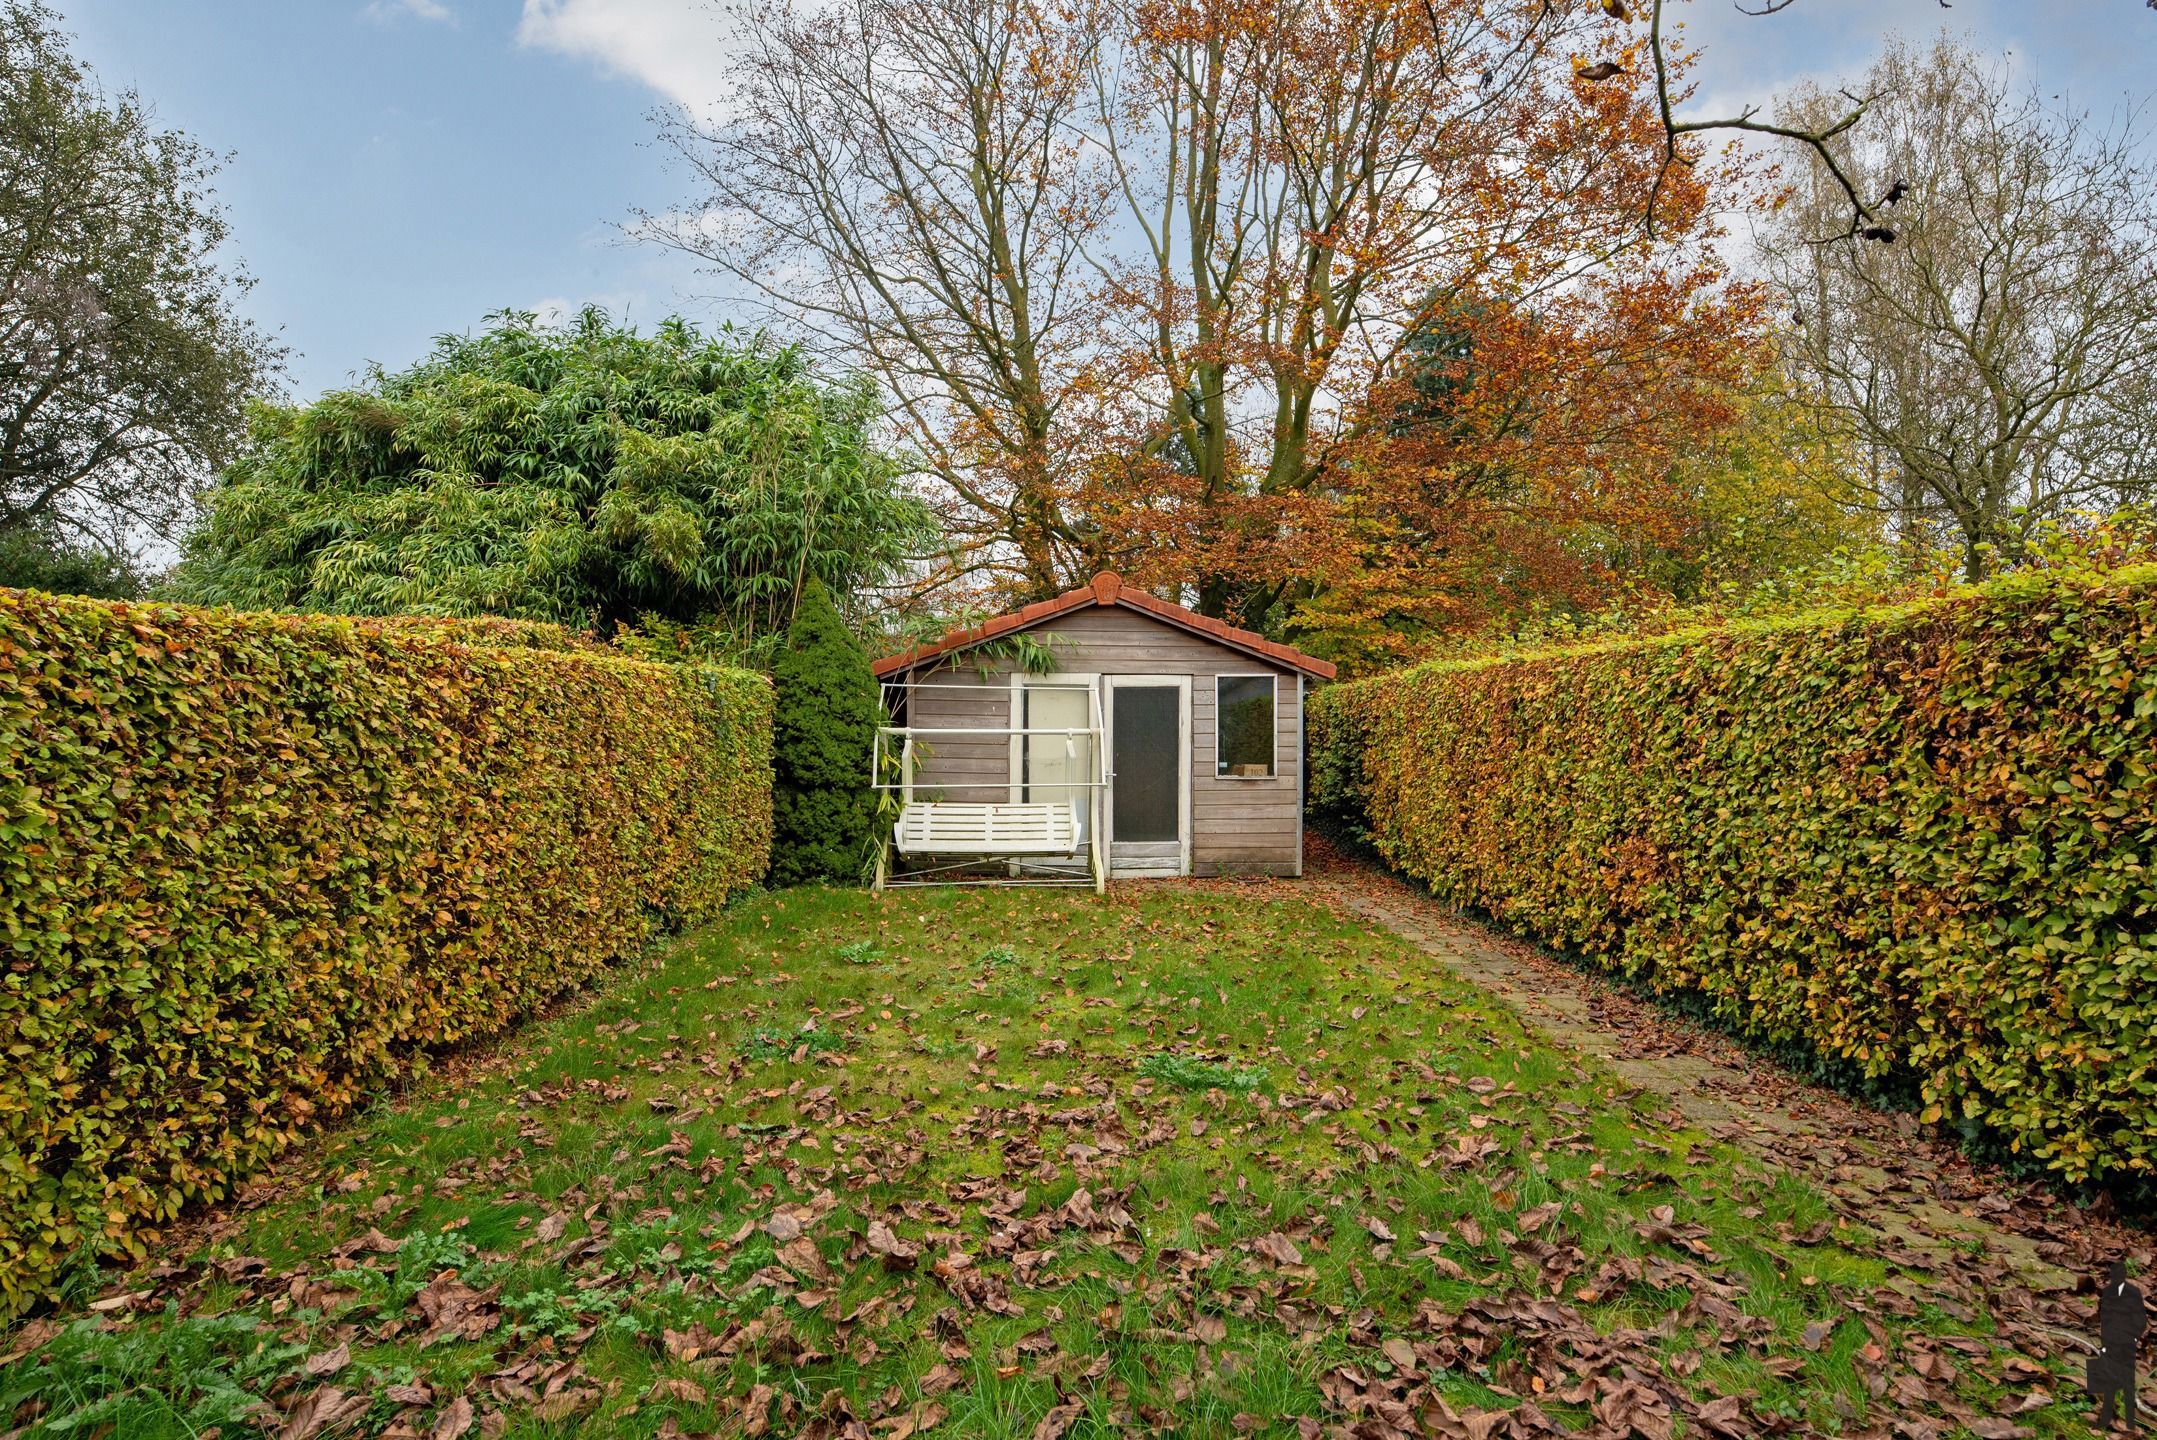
x=1029 y=1197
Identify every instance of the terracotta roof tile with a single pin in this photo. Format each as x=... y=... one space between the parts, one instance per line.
x=1108 y=589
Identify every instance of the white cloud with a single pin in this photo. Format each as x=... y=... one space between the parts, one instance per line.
x=384 y=11
x=683 y=51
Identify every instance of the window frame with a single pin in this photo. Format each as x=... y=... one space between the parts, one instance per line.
x=1273 y=724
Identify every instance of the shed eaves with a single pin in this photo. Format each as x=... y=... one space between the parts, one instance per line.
x=1107 y=589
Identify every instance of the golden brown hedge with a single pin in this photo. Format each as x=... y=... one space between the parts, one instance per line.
x=1922 y=839
x=253 y=866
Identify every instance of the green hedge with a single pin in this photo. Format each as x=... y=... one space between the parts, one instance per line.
x=252 y=866
x=1918 y=839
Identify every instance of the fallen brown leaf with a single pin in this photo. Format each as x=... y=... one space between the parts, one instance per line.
x=318 y=1410
x=455 y=1419
x=328 y=1362
x=1058 y=1420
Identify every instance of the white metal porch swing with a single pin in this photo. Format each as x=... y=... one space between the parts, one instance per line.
x=1051 y=840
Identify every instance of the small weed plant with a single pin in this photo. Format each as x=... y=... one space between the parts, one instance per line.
x=1188 y=1072
x=772 y=1043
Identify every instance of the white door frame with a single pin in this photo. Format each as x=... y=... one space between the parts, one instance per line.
x=1182 y=686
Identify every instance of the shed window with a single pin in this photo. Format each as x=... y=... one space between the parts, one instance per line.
x=1243 y=725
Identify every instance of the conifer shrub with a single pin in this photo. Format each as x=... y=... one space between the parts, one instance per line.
x=1920 y=839
x=825 y=715
x=254 y=867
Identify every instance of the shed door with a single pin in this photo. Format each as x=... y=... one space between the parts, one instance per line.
x=1057 y=767
x=1149 y=772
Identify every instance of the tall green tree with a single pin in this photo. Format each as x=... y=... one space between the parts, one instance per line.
x=585 y=474
x=31 y=558
x=1767 y=500
x=125 y=365
x=1997 y=362
x=823 y=723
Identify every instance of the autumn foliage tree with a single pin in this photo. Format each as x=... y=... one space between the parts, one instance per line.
x=1143 y=277
x=1532 y=457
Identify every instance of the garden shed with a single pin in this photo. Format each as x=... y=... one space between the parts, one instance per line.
x=1103 y=733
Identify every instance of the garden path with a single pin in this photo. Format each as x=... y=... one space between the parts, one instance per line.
x=2018 y=1240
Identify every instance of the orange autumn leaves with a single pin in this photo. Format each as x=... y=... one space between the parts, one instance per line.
x=1418 y=169
x=1552 y=458
x=1149 y=283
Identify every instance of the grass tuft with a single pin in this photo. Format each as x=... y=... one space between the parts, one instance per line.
x=1188 y=1072
x=769 y=1043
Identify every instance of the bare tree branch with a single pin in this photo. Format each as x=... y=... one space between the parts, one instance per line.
x=1863 y=221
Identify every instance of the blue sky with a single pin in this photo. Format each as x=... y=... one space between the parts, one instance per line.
x=401 y=167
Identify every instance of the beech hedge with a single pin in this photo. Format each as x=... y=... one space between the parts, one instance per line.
x=1919 y=839
x=252 y=867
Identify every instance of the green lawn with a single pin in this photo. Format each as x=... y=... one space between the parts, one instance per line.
x=1002 y=1163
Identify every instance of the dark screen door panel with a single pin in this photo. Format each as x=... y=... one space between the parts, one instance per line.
x=1148 y=793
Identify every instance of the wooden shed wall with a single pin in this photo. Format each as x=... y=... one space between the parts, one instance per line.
x=1237 y=825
